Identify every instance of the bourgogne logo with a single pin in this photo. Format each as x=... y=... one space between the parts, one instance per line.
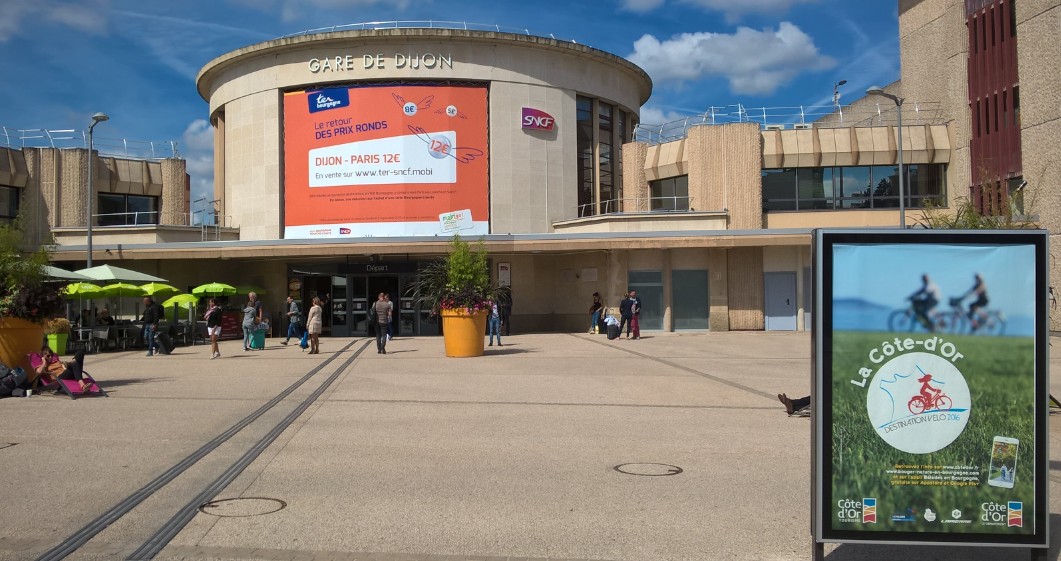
x=918 y=402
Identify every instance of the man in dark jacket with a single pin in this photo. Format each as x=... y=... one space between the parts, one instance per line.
x=625 y=314
x=152 y=315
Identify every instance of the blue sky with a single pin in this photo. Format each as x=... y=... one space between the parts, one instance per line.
x=875 y=273
x=64 y=60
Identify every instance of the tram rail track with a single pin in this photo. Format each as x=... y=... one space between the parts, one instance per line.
x=158 y=540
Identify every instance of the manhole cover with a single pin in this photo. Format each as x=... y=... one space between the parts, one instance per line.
x=246 y=506
x=650 y=470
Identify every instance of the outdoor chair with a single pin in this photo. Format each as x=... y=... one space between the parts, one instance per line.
x=101 y=339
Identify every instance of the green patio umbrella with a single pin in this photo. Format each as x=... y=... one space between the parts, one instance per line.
x=183 y=300
x=121 y=290
x=156 y=288
x=188 y=301
x=214 y=289
x=82 y=290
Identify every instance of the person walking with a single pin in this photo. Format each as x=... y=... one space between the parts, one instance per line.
x=213 y=327
x=313 y=325
x=624 y=314
x=294 y=320
x=493 y=324
x=252 y=316
x=152 y=315
x=635 y=314
x=382 y=309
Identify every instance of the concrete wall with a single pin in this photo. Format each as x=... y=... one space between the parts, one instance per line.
x=934 y=49
x=54 y=184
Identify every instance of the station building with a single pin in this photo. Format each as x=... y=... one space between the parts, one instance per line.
x=346 y=159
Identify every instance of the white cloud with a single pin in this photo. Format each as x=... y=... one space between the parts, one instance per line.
x=655 y=116
x=310 y=10
x=641 y=5
x=198 y=152
x=87 y=16
x=733 y=10
x=754 y=62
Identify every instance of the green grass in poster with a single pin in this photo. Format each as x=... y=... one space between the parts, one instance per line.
x=1000 y=374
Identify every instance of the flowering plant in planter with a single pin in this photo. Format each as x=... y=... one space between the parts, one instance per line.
x=459 y=280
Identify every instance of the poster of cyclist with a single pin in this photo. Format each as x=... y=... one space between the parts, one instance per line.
x=930 y=386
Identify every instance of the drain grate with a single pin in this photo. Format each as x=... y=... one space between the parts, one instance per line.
x=648 y=469
x=242 y=507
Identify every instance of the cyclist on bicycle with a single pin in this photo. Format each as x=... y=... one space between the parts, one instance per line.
x=928 y=393
x=924 y=300
x=980 y=290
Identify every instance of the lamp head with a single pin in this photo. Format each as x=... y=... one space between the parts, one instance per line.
x=100 y=117
x=875 y=90
x=841 y=82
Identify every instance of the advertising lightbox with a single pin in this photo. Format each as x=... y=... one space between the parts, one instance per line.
x=379 y=161
x=930 y=394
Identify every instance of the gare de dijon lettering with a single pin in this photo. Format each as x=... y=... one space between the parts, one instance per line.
x=349 y=63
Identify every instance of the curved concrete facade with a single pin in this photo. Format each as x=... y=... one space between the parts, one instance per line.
x=532 y=174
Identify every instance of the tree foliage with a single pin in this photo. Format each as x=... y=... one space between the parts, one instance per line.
x=23 y=290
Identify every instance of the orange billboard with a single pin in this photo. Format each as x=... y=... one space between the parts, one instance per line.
x=380 y=161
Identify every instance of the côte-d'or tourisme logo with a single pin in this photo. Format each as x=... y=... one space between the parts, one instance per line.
x=918 y=400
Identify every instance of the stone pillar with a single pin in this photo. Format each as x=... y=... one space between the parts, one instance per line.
x=174 y=203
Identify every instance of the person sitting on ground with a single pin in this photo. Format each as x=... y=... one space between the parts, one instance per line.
x=793 y=405
x=47 y=365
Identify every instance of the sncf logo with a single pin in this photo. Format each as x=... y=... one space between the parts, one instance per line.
x=344 y=231
x=537 y=119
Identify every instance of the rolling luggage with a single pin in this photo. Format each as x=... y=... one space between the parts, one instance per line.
x=165 y=343
x=304 y=341
x=613 y=332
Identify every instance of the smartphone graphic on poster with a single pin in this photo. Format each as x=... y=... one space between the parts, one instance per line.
x=1003 y=469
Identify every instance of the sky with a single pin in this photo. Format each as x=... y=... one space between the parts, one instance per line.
x=65 y=60
x=874 y=273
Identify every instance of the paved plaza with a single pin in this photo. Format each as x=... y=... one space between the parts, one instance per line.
x=555 y=446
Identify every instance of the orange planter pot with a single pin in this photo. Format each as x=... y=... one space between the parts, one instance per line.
x=18 y=338
x=465 y=334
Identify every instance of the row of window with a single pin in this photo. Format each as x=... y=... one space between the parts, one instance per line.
x=601 y=132
x=113 y=209
x=852 y=187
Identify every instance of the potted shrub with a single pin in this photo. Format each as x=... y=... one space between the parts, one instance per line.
x=458 y=287
x=26 y=300
x=57 y=331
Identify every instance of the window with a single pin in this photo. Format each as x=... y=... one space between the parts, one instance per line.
x=586 y=164
x=126 y=210
x=671 y=193
x=8 y=204
x=607 y=178
x=852 y=187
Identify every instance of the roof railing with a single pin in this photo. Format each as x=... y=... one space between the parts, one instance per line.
x=796 y=117
x=424 y=24
x=73 y=138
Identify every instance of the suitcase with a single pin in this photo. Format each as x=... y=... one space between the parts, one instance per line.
x=304 y=341
x=613 y=332
x=165 y=343
x=258 y=339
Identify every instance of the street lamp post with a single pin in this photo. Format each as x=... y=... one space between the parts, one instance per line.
x=877 y=90
x=96 y=119
x=836 y=93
